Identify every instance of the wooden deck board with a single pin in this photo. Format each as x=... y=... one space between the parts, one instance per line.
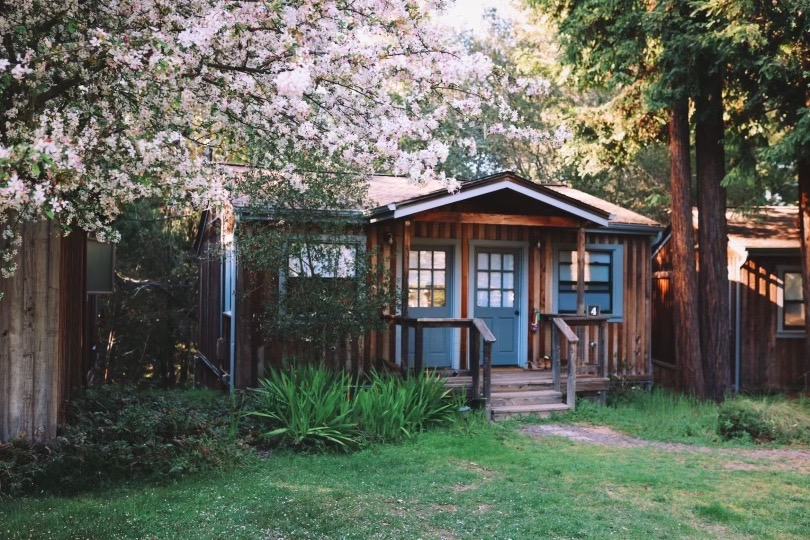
x=527 y=377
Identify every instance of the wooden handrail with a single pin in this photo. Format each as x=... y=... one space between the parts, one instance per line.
x=559 y=325
x=478 y=331
x=563 y=327
x=486 y=333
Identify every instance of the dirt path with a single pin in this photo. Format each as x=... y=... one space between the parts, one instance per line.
x=734 y=458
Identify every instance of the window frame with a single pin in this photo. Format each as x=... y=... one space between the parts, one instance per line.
x=781 y=330
x=356 y=241
x=416 y=271
x=616 y=271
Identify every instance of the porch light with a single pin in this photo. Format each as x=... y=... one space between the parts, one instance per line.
x=539 y=245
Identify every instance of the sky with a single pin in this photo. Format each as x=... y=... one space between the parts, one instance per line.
x=467 y=14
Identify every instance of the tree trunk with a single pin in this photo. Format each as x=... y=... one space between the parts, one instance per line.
x=803 y=173
x=803 y=170
x=715 y=321
x=684 y=272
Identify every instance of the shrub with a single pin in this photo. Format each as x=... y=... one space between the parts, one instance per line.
x=390 y=408
x=764 y=420
x=312 y=407
x=308 y=406
x=121 y=433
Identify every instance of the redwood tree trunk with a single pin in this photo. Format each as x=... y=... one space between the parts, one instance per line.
x=803 y=173
x=715 y=320
x=684 y=272
x=803 y=170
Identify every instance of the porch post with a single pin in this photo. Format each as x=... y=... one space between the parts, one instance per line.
x=581 y=270
x=406 y=257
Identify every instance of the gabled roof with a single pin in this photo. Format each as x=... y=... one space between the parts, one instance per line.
x=395 y=197
x=764 y=228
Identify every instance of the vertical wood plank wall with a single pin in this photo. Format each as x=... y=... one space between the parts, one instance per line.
x=41 y=356
x=628 y=342
x=766 y=359
x=210 y=302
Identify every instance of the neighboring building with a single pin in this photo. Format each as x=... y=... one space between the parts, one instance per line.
x=45 y=326
x=500 y=248
x=767 y=307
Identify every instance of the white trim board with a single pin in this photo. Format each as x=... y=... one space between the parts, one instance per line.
x=470 y=193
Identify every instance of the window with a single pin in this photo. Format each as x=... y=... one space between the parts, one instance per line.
x=311 y=266
x=791 y=309
x=427 y=278
x=603 y=279
x=495 y=279
x=325 y=260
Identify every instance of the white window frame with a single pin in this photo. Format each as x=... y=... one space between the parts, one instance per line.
x=617 y=276
x=359 y=242
x=781 y=331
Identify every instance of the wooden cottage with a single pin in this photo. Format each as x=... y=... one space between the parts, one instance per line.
x=500 y=250
x=767 y=308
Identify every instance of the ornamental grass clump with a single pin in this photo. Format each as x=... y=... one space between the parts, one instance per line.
x=308 y=406
x=390 y=408
x=312 y=407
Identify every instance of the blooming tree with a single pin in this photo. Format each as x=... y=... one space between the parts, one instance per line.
x=106 y=101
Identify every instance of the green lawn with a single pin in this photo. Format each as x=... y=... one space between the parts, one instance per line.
x=490 y=483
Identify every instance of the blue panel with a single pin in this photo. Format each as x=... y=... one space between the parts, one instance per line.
x=497 y=293
x=434 y=266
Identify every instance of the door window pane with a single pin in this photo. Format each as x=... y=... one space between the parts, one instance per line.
x=427 y=278
x=438 y=279
x=508 y=262
x=439 y=259
x=495 y=279
x=509 y=299
x=508 y=280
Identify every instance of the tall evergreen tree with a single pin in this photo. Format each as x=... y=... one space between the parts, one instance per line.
x=667 y=50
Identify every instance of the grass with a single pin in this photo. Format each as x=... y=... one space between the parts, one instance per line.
x=666 y=416
x=484 y=482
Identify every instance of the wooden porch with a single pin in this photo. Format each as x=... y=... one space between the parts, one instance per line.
x=513 y=391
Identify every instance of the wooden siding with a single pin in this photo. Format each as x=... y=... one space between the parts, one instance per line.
x=210 y=328
x=628 y=342
x=41 y=324
x=767 y=361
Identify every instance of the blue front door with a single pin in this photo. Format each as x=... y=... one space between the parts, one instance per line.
x=497 y=300
x=430 y=287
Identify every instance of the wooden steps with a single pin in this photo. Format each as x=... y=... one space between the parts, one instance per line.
x=530 y=398
x=519 y=392
x=542 y=410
